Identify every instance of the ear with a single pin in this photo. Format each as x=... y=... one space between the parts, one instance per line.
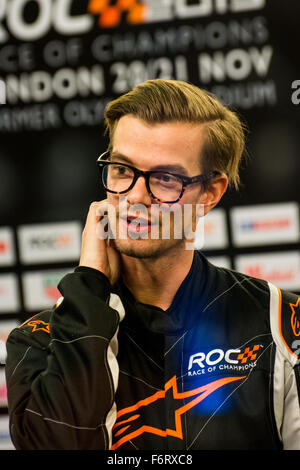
x=213 y=193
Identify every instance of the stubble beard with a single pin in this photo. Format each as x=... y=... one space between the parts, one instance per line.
x=146 y=249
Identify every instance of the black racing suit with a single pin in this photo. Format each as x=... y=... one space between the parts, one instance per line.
x=217 y=370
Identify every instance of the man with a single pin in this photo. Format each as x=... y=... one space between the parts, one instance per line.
x=151 y=346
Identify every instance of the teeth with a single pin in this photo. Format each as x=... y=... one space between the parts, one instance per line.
x=137 y=221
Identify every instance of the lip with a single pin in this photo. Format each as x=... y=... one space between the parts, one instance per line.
x=136 y=224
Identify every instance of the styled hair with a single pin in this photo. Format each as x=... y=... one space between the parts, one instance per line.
x=160 y=101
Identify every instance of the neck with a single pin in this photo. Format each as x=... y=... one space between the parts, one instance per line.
x=156 y=281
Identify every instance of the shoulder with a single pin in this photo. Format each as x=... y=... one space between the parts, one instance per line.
x=35 y=330
x=237 y=285
x=280 y=308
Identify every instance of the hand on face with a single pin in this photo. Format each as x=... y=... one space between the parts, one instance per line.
x=97 y=251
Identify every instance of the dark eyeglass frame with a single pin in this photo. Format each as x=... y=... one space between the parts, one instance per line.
x=186 y=180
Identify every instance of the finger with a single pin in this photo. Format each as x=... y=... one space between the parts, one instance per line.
x=101 y=208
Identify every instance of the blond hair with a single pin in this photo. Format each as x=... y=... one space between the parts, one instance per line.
x=159 y=101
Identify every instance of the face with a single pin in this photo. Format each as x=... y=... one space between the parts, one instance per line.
x=174 y=147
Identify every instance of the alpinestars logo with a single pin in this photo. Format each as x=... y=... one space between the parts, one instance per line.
x=39 y=325
x=130 y=425
x=295 y=317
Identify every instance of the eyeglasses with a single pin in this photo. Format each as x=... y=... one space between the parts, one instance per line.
x=163 y=186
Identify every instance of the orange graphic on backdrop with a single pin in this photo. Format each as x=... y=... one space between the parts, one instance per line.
x=110 y=15
x=201 y=393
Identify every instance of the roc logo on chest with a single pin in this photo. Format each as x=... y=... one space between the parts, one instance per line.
x=218 y=360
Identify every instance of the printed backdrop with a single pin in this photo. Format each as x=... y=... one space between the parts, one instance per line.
x=61 y=61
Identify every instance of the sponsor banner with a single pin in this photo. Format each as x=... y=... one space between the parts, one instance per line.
x=5 y=440
x=7 y=247
x=47 y=243
x=63 y=17
x=9 y=293
x=215 y=230
x=281 y=269
x=6 y=326
x=65 y=59
x=221 y=261
x=3 y=391
x=40 y=288
x=265 y=224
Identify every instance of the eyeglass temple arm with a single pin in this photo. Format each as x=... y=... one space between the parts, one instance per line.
x=103 y=156
x=202 y=178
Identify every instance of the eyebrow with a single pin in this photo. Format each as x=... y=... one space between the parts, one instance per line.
x=169 y=168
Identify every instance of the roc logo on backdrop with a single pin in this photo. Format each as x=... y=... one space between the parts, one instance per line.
x=59 y=14
x=147 y=11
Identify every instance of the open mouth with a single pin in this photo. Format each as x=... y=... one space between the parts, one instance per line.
x=135 y=224
x=138 y=224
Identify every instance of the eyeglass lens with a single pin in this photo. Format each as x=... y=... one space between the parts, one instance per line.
x=118 y=178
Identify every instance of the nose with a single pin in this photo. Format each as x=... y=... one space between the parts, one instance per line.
x=139 y=193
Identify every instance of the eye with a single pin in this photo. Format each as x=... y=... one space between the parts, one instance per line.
x=165 y=179
x=119 y=171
